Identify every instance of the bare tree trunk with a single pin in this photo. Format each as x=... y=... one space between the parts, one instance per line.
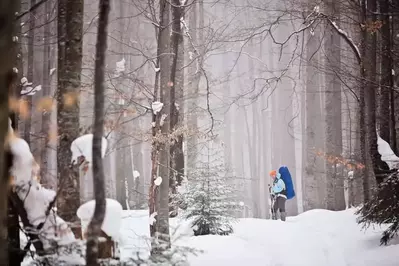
x=176 y=94
x=44 y=160
x=94 y=228
x=394 y=94
x=70 y=25
x=31 y=41
x=335 y=180
x=386 y=77
x=379 y=167
x=8 y=8
x=15 y=256
x=312 y=180
x=153 y=199
x=194 y=76
x=164 y=156
x=5 y=73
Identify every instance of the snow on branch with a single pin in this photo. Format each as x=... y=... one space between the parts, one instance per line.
x=316 y=14
x=37 y=201
x=82 y=146
x=348 y=40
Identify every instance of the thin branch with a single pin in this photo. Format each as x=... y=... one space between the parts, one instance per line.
x=31 y=9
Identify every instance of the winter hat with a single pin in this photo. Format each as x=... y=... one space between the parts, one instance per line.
x=272 y=173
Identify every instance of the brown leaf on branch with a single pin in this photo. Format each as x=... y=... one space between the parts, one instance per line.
x=70 y=99
x=45 y=104
x=52 y=136
x=19 y=106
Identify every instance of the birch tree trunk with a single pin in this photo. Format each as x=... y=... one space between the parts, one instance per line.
x=94 y=228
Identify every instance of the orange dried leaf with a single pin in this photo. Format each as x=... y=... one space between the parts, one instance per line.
x=70 y=99
x=19 y=106
x=45 y=104
x=130 y=110
x=85 y=168
x=52 y=136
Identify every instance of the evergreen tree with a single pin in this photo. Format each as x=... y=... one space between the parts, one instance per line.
x=383 y=208
x=210 y=200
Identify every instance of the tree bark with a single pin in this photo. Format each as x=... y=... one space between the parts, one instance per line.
x=8 y=8
x=379 y=168
x=70 y=29
x=386 y=82
x=164 y=158
x=176 y=95
x=15 y=255
x=153 y=199
x=394 y=93
x=94 y=228
x=30 y=77
x=194 y=76
x=46 y=115
x=312 y=183
x=335 y=180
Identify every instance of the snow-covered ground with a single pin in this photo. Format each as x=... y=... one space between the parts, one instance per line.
x=316 y=237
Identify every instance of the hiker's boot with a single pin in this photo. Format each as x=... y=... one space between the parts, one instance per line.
x=282 y=216
x=274 y=217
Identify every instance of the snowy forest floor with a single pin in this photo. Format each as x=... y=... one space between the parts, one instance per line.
x=316 y=237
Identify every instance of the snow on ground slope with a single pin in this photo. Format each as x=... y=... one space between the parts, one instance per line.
x=316 y=237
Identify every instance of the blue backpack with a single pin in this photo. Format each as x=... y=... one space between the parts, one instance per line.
x=286 y=177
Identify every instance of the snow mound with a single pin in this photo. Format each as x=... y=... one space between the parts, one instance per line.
x=112 y=220
x=82 y=146
x=387 y=155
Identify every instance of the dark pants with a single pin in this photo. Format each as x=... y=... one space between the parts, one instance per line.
x=279 y=204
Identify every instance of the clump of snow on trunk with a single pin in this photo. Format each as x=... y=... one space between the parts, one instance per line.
x=136 y=174
x=120 y=67
x=158 y=181
x=156 y=107
x=387 y=155
x=152 y=219
x=112 y=221
x=82 y=146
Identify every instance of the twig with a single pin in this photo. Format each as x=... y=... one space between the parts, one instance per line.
x=31 y=9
